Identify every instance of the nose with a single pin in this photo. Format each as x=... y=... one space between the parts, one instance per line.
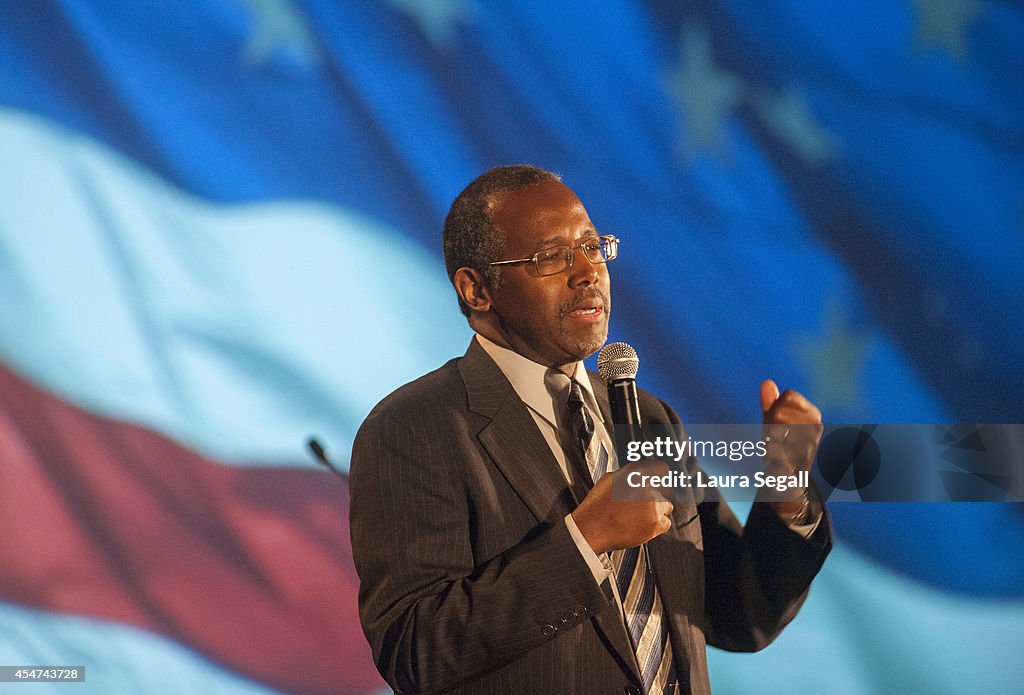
x=583 y=272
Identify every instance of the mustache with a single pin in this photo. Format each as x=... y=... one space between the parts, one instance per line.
x=591 y=297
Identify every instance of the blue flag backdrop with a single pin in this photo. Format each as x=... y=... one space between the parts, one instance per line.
x=220 y=232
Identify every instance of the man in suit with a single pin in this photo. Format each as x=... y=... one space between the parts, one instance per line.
x=492 y=554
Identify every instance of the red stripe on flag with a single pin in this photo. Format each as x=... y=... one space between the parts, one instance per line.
x=251 y=567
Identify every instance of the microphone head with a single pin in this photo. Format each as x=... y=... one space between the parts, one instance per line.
x=617 y=361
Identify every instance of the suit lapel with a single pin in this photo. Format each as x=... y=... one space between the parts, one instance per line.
x=601 y=396
x=680 y=587
x=512 y=439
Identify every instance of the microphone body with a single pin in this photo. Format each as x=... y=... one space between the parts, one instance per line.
x=625 y=406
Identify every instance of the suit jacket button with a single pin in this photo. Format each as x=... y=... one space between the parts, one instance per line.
x=548 y=630
x=632 y=689
x=579 y=611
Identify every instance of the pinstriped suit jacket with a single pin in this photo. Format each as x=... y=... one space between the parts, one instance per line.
x=471 y=583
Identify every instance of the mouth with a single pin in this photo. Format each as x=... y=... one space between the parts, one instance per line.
x=587 y=314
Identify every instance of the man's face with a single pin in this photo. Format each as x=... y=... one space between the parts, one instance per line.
x=553 y=319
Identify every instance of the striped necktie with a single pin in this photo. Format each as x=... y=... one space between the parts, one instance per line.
x=641 y=602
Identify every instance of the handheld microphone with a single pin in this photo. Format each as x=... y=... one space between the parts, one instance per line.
x=618 y=364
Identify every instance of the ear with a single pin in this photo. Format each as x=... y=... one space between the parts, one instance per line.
x=472 y=289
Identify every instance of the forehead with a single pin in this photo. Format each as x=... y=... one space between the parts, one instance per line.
x=538 y=214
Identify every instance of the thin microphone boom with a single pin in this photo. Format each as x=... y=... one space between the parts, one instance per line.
x=320 y=454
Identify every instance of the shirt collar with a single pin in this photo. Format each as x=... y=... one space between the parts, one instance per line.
x=528 y=379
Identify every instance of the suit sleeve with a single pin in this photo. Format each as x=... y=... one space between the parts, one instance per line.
x=757 y=576
x=434 y=615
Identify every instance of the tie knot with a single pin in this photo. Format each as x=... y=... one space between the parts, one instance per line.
x=562 y=387
x=569 y=392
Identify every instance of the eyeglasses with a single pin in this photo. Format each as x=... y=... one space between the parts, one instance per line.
x=555 y=259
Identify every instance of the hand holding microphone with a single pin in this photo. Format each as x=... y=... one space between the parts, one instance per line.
x=606 y=522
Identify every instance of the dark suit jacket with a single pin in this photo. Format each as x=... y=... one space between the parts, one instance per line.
x=471 y=583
